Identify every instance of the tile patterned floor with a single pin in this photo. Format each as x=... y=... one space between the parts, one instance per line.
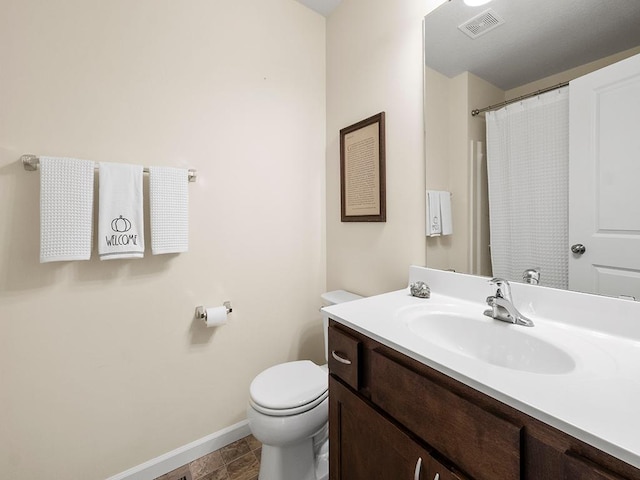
x=237 y=461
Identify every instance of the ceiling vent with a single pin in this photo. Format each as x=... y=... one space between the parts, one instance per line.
x=481 y=24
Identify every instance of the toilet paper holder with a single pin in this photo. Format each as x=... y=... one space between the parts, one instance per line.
x=201 y=311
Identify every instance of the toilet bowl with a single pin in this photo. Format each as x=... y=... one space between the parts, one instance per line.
x=289 y=411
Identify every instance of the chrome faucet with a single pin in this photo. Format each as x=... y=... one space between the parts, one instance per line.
x=531 y=276
x=502 y=307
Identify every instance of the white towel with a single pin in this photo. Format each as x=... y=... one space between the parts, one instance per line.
x=169 y=209
x=434 y=228
x=120 y=217
x=66 y=209
x=446 y=221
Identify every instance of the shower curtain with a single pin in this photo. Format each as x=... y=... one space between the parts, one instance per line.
x=528 y=170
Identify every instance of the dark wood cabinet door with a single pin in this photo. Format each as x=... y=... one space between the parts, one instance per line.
x=365 y=445
x=577 y=468
x=549 y=455
x=438 y=471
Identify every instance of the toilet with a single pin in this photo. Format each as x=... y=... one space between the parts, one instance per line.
x=289 y=411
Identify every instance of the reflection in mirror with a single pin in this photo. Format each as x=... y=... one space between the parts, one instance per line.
x=490 y=55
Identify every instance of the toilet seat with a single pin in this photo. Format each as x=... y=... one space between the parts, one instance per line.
x=289 y=388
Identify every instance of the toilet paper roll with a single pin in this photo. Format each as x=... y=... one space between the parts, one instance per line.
x=216 y=316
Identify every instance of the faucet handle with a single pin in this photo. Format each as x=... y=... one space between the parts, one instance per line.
x=531 y=276
x=504 y=289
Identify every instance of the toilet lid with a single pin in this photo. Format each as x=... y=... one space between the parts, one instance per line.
x=289 y=385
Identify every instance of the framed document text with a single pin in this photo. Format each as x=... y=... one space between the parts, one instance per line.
x=362 y=171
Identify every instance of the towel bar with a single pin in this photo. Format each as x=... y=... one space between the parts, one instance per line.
x=31 y=162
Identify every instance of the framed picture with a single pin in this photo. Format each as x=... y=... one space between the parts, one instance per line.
x=362 y=171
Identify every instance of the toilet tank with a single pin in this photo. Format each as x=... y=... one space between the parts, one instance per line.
x=333 y=298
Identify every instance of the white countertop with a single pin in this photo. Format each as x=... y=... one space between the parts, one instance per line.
x=598 y=401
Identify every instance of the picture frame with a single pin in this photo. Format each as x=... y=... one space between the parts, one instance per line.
x=362 y=171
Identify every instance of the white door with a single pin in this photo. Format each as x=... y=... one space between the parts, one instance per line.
x=604 y=180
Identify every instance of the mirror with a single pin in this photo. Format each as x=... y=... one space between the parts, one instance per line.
x=477 y=57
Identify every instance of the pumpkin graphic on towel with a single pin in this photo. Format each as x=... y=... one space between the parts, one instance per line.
x=121 y=224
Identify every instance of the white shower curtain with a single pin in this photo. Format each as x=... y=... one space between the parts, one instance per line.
x=528 y=169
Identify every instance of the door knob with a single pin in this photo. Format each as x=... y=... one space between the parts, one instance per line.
x=578 y=248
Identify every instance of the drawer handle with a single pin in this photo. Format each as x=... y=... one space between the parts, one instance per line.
x=416 y=474
x=335 y=355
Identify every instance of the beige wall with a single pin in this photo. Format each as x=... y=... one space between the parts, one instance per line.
x=450 y=129
x=101 y=364
x=374 y=64
x=437 y=153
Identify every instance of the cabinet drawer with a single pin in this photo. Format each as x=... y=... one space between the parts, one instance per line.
x=481 y=444
x=577 y=468
x=344 y=356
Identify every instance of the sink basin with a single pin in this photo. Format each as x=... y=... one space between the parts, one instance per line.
x=491 y=341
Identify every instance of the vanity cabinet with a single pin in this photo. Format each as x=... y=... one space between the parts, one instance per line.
x=392 y=417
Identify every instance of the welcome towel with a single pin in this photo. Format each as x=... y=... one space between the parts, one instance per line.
x=66 y=209
x=120 y=217
x=169 y=209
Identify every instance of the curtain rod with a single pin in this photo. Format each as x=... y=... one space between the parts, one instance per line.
x=31 y=162
x=514 y=100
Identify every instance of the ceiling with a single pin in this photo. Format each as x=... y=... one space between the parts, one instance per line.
x=539 y=38
x=323 y=7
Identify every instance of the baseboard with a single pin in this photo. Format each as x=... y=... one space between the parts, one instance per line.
x=185 y=454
